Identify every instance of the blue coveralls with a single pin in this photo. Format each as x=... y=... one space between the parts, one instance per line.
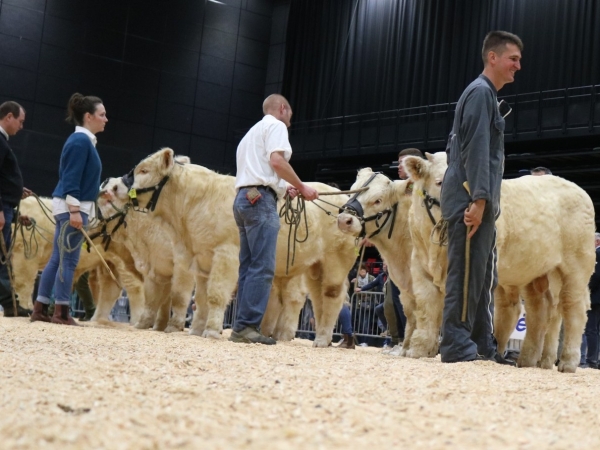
x=475 y=155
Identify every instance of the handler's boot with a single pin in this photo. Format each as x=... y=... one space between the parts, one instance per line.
x=40 y=312
x=62 y=316
x=347 y=342
x=89 y=313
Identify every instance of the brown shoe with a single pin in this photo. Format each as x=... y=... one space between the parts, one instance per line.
x=347 y=342
x=40 y=312
x=62 y=316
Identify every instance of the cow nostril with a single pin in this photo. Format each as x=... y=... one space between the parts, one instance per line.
x=349 y=221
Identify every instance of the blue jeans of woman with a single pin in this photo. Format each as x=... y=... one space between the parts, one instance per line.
x=345 y=319
x=61 y=280
x=258 y=225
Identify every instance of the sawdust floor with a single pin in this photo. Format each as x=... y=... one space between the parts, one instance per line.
x=120 y=388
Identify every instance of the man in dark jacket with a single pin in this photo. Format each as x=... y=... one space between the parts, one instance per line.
x=592 y=327
x=470 y=203
x=12 y=116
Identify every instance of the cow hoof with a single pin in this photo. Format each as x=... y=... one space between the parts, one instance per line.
x=212 y=334
x=320 y=343
x=283 y=336
x=523 y=362
x=546 y=364
x=566 y=368
x=172 y=329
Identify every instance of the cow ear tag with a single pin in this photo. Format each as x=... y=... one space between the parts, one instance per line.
x=132 y=193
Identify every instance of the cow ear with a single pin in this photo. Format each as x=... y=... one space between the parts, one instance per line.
x=365 y=170
x=182 y=159
x=167 y=159
x=429 y=156
x=416 y=167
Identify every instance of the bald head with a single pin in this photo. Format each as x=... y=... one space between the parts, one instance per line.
x=278 y=106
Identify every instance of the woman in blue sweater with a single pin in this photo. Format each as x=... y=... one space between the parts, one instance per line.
x=72 y=206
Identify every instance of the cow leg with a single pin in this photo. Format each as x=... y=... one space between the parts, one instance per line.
x=155 y=294
x=181 y=293
x=135 y=293
x=327 y=293
x=507 y=309
x=164 y=310
x=199 y=319
x=409 y=305
x=549 y=353
x=537 y=312
x=429 y=303
x=293 y=297
x=274 y=308
x=221 y=284
x=574 y=301
x=109 y=292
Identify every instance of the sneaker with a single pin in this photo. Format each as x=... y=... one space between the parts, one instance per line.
x=250 y=335
x=497 y=358
x=21 y=312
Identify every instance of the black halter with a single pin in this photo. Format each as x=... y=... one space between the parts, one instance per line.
x=106 y=236
x=354 y=207
x=429 y=202
x=151 y=205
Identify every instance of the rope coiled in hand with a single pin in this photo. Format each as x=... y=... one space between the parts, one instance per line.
x=293 y=217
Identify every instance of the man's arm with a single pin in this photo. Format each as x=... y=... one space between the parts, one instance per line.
x=285 y=171
x=475 y=153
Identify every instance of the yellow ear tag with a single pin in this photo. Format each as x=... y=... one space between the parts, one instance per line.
x=420 y=192
x=132 y=193
x=84 y=245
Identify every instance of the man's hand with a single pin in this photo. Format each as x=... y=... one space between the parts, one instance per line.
x=473 y=215
x=26 y=193
x=75 y=220
x=2 y=220
x=24 y=220
x=292 y=192
x=308 y=193
x=357 y=289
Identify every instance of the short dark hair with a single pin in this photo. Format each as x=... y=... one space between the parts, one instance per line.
x=79 y=105
x=542 y=169
x=10 y=107
x=410 y=152
x=495 y=41
x=362 y=266
x=334 y=184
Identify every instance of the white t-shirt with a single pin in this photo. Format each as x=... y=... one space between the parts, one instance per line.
x=254 y=154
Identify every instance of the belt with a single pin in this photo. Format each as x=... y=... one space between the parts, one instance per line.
x=258 y=186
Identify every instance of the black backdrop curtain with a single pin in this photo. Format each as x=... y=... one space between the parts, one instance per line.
x=355 y=56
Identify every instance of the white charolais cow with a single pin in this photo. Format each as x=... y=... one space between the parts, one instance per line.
x=165 y=279
x=395 y=248
x=33 y=253
x=196 y=207
x=545 y=242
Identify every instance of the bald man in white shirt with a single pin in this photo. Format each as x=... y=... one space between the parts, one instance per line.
x=262 y=172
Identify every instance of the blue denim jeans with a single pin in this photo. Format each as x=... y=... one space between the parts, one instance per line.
x=51 y=276
x=5 y=287
x=258 y=225
x=345 y=319
x=591 y=336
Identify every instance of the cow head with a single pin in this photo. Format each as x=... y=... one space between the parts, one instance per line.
x=151 y=170
x=377 y=198
x=113 y=196
x=427 y=174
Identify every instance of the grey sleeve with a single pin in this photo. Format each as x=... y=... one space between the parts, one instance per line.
x=475 y=142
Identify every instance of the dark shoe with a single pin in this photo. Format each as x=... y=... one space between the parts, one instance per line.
x=347 y=342
x=251 y=335
x=40 y=312
x=9 y=311
x=61 y=316
x=88 y=315
x=497 y=358
x=584 y=366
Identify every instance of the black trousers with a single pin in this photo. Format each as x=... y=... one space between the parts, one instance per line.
x=462 y=341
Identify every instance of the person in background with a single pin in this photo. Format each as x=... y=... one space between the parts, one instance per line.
x=12 y=117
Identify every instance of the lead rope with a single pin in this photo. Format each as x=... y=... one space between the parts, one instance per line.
x=293 y=218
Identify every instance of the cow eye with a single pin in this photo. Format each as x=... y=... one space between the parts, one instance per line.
x=438 y=183
x=377 y=202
